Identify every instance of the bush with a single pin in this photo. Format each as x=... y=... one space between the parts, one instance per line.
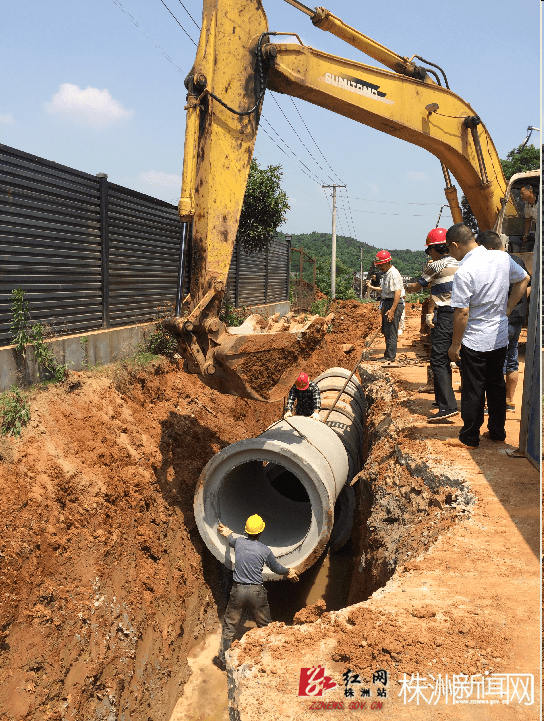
x=25 y=333
x=48 y=366
x=161 y=342
x=15 y=411
x=320 y=307
x=420 y=296
x=233 y=317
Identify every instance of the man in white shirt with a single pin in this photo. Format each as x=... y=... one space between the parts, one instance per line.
x=392 y=305
x=480 y=331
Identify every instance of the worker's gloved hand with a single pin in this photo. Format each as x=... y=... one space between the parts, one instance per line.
x=315 y=416
x=292 y=576
x=429 y=319
x=288 y=414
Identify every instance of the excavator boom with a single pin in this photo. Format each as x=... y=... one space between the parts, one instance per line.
x=235 y=62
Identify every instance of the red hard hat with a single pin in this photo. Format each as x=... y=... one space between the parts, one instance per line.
x=302 y=382
x=382 y=257
x=437 y=236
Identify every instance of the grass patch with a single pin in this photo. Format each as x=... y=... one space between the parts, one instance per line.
x=14 y=411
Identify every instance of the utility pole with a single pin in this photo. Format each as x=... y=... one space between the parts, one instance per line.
x=333 y=258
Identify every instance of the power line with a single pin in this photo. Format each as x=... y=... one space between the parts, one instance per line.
x=409 y=215
x=292 y=151
x=282 y=150
x=349 y=206
x=315 y=143
x=300 y=139
x=393 y=202
x=156 y=45
x=189 y=14
x=350 y=217
x=327 y=163
x=178 y=22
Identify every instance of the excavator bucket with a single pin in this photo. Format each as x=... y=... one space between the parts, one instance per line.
x=259 y=359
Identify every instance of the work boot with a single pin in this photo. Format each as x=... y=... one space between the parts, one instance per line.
x=429 y=387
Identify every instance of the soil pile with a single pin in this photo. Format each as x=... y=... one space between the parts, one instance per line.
x=106 y=585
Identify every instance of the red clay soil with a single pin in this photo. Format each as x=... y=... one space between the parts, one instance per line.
x=445 y=578
x=106 y=585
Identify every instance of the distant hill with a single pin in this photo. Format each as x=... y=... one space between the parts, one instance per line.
x=348 y=252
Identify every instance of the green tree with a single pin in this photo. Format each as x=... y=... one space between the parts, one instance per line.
x=344 y=278
x=468 y=217
x=518 y=160
x=264 y=209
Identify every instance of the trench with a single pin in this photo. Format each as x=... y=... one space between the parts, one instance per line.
x=402 y=506
x=108 y=565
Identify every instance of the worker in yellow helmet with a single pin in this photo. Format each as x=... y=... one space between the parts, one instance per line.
x=248 y=590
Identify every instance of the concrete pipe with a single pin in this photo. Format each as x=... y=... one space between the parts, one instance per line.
x=291 y=475
x=347 y=417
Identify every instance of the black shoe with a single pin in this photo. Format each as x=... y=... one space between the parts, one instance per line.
x=221 y=665
x=441 y=415
x=435 y=405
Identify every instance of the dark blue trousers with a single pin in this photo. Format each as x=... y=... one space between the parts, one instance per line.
x=391 y=329
x=441 y=336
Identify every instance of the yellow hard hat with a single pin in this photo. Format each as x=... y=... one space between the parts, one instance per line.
x=254 y=525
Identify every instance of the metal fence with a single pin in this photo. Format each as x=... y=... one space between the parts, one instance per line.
x=90 y=254
x=259 y=278
x=302 y=267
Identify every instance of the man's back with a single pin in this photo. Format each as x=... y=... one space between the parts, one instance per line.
x=481 y=285
x=250 y=557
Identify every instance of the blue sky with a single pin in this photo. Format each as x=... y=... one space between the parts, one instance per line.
x=98 y=86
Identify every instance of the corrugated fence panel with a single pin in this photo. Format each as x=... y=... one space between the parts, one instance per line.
x=51 y=247
x=145 y=236
x=278 y=271
x=49 y=243
x=251 y=277
x=256 y=285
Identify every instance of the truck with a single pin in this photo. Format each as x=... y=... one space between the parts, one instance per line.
x=236 y=62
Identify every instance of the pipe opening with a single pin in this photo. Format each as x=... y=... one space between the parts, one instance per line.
x=273 y=492
x=288 y=485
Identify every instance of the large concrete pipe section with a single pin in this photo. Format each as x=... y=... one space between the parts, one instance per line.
x=291 y=475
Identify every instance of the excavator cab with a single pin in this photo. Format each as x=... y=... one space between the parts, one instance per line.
x=511 y=223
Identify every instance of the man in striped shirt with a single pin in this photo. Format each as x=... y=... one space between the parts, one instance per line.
x=307 y=397
x=438 y=276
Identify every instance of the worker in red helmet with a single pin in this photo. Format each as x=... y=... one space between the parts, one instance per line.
x=438 y=277
x=307 y=396
x=392 y=305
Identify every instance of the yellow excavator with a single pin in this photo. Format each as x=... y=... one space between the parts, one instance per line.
x=235 y=63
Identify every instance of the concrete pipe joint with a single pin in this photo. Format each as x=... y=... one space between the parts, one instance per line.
x=291 y=475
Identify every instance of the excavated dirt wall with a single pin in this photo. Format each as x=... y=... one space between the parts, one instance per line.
x=408 y=500
x=404 y=505
x=105 y=583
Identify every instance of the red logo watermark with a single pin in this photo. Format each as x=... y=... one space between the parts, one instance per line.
x=313 y=681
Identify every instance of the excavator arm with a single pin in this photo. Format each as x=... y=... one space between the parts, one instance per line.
x=418 y=112
x=235 y=62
